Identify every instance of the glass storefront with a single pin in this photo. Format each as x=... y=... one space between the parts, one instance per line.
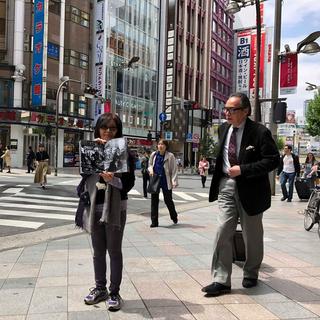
x=133 y=30
x=71 y=149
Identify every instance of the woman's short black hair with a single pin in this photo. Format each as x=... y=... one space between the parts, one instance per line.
x=103 y=122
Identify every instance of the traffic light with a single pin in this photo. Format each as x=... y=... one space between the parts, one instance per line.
x=90 y=92
x=149 y=136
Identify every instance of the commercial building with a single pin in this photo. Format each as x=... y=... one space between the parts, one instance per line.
x=198 y=71
x=40 y=44
x=43 y=41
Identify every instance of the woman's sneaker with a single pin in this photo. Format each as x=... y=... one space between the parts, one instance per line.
x=96 y=295
x=115 y=302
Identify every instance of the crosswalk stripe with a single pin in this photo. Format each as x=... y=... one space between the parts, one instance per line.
x=30 y=206
x=54 y=216
x=2 y=185
x=202 y=194
x=23 y=185
x=46 y=196
x=70 y=182
x=12 y=190
x=161 y=198
x=134 y=192
x=20 y=224
x=184 y=196
x=33 y=200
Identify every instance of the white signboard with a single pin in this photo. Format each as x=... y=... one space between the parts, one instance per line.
x=243 y=61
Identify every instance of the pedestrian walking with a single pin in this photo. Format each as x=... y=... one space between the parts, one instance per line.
x=30 y=160
x=163 y=163
x=6 y=156
x=1 y=159
x=288 y=169
x=145 y=172
x=241 y=185
x=308 y=164
x=42 y=163
x=104 y=217
x=203 y=170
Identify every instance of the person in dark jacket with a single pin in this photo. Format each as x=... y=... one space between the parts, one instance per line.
x=145 y=172
x=1 y=160
x=42 y=162
x=104 y=217
x=240 y=183
x=288 y=169
x=30 y=160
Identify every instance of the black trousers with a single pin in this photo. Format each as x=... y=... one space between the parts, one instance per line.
x=146 y=178
x=203 y=180
x=30 y=166
x=1 y=164
x=107 y=238
x=167 y=195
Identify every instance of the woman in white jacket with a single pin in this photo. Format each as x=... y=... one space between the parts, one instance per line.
x=163 y=163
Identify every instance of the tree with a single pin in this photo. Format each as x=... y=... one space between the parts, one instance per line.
x=280 y=143
x=313 y=116
x=208 y=146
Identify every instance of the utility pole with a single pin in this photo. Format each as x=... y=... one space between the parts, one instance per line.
x=275 y=78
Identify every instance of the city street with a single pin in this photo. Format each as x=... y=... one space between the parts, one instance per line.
x=164 y=269
x=26 y=208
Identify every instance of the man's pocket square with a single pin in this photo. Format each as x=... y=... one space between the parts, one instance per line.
x=249 y=147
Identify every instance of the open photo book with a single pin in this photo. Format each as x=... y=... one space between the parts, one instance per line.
x=111 y=156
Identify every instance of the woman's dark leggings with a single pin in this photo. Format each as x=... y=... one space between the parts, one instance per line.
x=203 y=180
x=107 y=238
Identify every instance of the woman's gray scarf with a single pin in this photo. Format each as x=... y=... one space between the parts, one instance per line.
x=111 y=209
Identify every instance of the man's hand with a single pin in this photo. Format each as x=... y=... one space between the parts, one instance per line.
x=107 y=176
x=234 y=171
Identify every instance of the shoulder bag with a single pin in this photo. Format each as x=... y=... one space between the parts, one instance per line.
x=154 y=184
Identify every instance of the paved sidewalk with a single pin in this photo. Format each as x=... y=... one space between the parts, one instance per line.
x=165 y=269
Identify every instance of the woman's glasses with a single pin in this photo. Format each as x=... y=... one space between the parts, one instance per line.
x=110 y=129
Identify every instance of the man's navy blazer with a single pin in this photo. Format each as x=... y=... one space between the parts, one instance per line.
x=258 y=156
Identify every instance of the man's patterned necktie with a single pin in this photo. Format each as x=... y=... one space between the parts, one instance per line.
x=232 y=151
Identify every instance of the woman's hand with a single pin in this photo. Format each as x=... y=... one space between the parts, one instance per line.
x=100 y=141
x=107 y=176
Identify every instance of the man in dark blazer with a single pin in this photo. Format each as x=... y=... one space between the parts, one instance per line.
x=240 y=183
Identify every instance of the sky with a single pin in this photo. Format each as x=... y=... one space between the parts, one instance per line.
x=299 y=19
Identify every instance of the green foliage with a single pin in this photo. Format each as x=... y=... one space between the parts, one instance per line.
x=313 y=116
x=280 y=143
x=208 y=147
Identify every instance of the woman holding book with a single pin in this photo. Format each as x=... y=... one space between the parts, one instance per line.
x=104 y=217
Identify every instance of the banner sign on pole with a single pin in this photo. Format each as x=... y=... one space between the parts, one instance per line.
x=289 y=73
x=37 y=56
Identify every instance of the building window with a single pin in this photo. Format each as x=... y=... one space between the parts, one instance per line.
x=54 y=6
x=76 y=58
x=78 y=16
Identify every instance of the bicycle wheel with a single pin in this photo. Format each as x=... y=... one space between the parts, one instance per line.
x=308 y=221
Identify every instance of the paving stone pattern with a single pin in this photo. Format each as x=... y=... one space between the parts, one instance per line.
x=165 y=269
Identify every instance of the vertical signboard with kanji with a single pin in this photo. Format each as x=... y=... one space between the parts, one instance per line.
x=99 y=52
x=243 y=61
x=37 y=58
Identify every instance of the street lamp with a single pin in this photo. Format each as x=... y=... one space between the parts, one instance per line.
x=312 y=87
x=114 y=68
x=89 y=93
x=233 y=7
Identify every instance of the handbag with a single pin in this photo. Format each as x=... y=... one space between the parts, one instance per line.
x=154 y=184
x=49 y=170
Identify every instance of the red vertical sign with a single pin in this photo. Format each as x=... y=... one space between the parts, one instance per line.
x=253 y=57
x=289 y=73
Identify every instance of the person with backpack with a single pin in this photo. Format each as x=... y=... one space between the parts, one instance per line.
x=145 y=172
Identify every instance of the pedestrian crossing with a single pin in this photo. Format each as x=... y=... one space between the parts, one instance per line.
x=31 y=211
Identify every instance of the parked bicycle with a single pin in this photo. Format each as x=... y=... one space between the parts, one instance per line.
x=311 y=213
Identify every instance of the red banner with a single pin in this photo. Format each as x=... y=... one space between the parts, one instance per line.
x=253 y=57
x=289 y=73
